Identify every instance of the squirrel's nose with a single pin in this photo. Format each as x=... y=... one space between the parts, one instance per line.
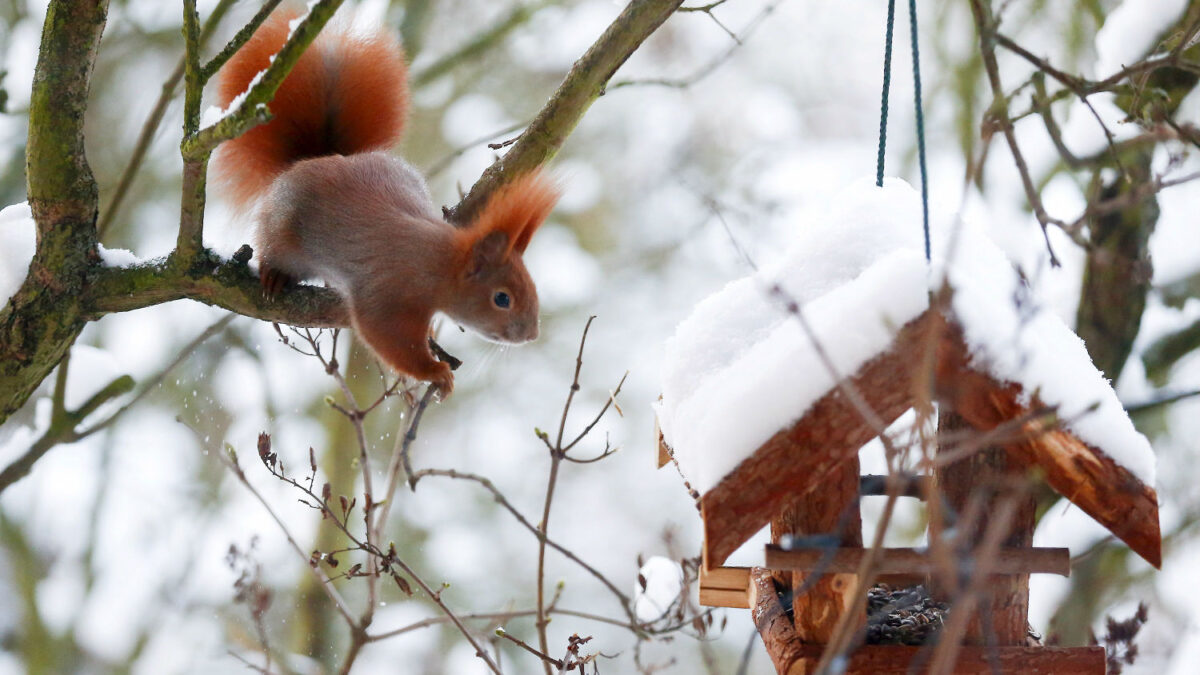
x=523 y=331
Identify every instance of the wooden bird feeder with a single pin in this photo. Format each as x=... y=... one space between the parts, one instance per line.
x=994 y=437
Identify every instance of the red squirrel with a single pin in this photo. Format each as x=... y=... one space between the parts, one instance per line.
x=334 y=204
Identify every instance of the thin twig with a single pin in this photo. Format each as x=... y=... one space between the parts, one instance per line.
x=986 y=28
x=230 y=462
x=1160 y=401
x=151 y=384
x=239 y=39
x=739 y=39
x=546 y=659
x=444 y=163
x=508 y=506
x=556 y=455
x=950 y=638
x=583 y=84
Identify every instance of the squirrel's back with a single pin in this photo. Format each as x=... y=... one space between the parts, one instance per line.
x=347 y=94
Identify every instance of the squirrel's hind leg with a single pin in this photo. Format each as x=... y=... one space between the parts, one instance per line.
x=280 y=258
x=273 y=281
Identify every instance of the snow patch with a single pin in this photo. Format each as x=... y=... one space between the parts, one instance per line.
x=118 y=257
x=663 y=580
x=18 y=241
x=1130 y=31
x=213 y=115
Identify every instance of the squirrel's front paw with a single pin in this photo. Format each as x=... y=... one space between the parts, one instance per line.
x=444 y=380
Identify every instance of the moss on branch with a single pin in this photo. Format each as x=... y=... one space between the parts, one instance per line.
x=209 y=279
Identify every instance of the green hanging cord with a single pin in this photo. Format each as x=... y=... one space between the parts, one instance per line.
x=920 y=115
x=916 y=61
x=887 y=84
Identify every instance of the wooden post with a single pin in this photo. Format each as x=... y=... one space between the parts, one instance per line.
x=832 y=508
x=973 y=487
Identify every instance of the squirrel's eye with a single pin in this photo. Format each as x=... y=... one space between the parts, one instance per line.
x=502 y=300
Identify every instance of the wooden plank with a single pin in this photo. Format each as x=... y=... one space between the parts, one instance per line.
x=725 y=577
x=724 y=597
x=914 y=561
x=796 y=460
x=725 y=587
x=1091 y=480
x=897 y=660
x=664 y=453
x=778 y=636
x=818 y=603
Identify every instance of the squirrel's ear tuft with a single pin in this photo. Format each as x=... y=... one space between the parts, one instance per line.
x=487 y=252
x=519 y=208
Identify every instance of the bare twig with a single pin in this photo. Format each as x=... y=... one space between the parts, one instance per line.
x=508 y=506
x=444 y=163
x=1160 y=401
x=239 y=39
x=716 y=62
x=547 y=660
x=950 y=638
x=230 y=462
x=64 y=423
x=556 y=454
x=986 y=26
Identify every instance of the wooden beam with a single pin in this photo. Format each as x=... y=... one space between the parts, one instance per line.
x=875 y=485
x=820 y=598
x=1102 y=488
x=729 y=586
x=724 y=597
x=897 y=660
x=974 y=487
x=798 y=459
x=914 y=561
x=1091 y=480
x=786 y=652
x=725 y=587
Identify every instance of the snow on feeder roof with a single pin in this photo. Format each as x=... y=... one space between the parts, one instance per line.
x=744 y=385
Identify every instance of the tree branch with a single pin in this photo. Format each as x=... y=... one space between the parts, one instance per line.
x=224 y=283
x=44 y=317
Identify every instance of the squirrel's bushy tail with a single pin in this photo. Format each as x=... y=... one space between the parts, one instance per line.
x=347 y=94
